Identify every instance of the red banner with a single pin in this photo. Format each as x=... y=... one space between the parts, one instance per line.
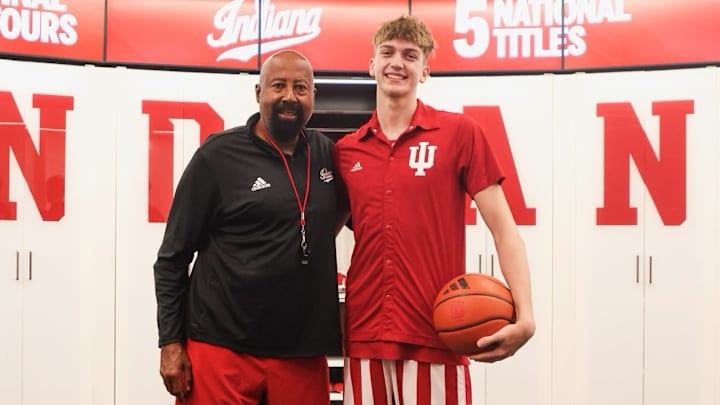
x=552 y=35
x=231 y=34
x=646 y=33
x=178 y=32
x=473 y=35
x=53 y=28
x=337 y=36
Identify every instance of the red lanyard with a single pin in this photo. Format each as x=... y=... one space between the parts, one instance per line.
x=303 y=204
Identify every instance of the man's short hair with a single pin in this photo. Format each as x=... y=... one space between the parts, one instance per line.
x=408 y=28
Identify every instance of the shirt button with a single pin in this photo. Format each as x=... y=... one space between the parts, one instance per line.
x=388 y=262
x=388 y=227
x=392 y=158
x=388 y=192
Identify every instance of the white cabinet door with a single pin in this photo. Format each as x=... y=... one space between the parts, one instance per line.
x=65 y=258
x=603 y=261
x=643 y=283
x=519 y=125
x=11 y=318
x=680 y=260
x=715 y=258
x=68 y=293
x=138 y=356
x=527 y=119
x=563 y=250
x=477 y=260
x=163 y=116
x=12 y=276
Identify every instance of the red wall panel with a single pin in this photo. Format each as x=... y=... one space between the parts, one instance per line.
x=173 y=32
x=335 y=35
x=344 y=31
x=658 y=32
x=483 y=36
x=53 y=28
x=469 y=40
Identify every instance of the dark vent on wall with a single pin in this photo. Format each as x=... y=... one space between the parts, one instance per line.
x=342 y=106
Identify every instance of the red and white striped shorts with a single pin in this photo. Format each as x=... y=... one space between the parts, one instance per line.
x=405 y=382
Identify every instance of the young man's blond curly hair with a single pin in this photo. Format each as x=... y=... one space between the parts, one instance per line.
x=408 y=28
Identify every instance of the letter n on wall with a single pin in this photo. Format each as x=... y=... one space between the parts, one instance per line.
x=664 y=173
x=43 y=167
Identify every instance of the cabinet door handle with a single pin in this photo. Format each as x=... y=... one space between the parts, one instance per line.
x=637 y=269
x=17 y=265
x=480 y=263
x=650 y=270
x=492 y=265
x=30 y=265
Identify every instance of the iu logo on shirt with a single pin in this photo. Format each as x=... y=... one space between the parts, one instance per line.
x=422 y=157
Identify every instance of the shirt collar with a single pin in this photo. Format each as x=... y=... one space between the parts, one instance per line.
x=424 y=117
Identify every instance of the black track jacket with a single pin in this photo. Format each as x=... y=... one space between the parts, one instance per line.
x=248 y=290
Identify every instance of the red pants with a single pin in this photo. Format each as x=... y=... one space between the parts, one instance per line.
x=224 y=377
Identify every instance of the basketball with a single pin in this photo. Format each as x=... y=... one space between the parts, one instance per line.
x=469 y=307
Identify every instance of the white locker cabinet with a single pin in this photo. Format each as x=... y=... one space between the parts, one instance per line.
x=714 y=255
x=519 y=126
x=57 y=262
x=528 y=120
x=643 y=286
x=184 y=105
x=11 y=310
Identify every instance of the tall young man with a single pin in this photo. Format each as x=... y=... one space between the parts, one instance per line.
x=407 y=172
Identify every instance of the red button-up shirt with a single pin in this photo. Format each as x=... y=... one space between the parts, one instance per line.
x=407 y=201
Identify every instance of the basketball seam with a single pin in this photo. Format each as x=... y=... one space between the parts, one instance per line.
x=469 y=325
x=466 y=294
